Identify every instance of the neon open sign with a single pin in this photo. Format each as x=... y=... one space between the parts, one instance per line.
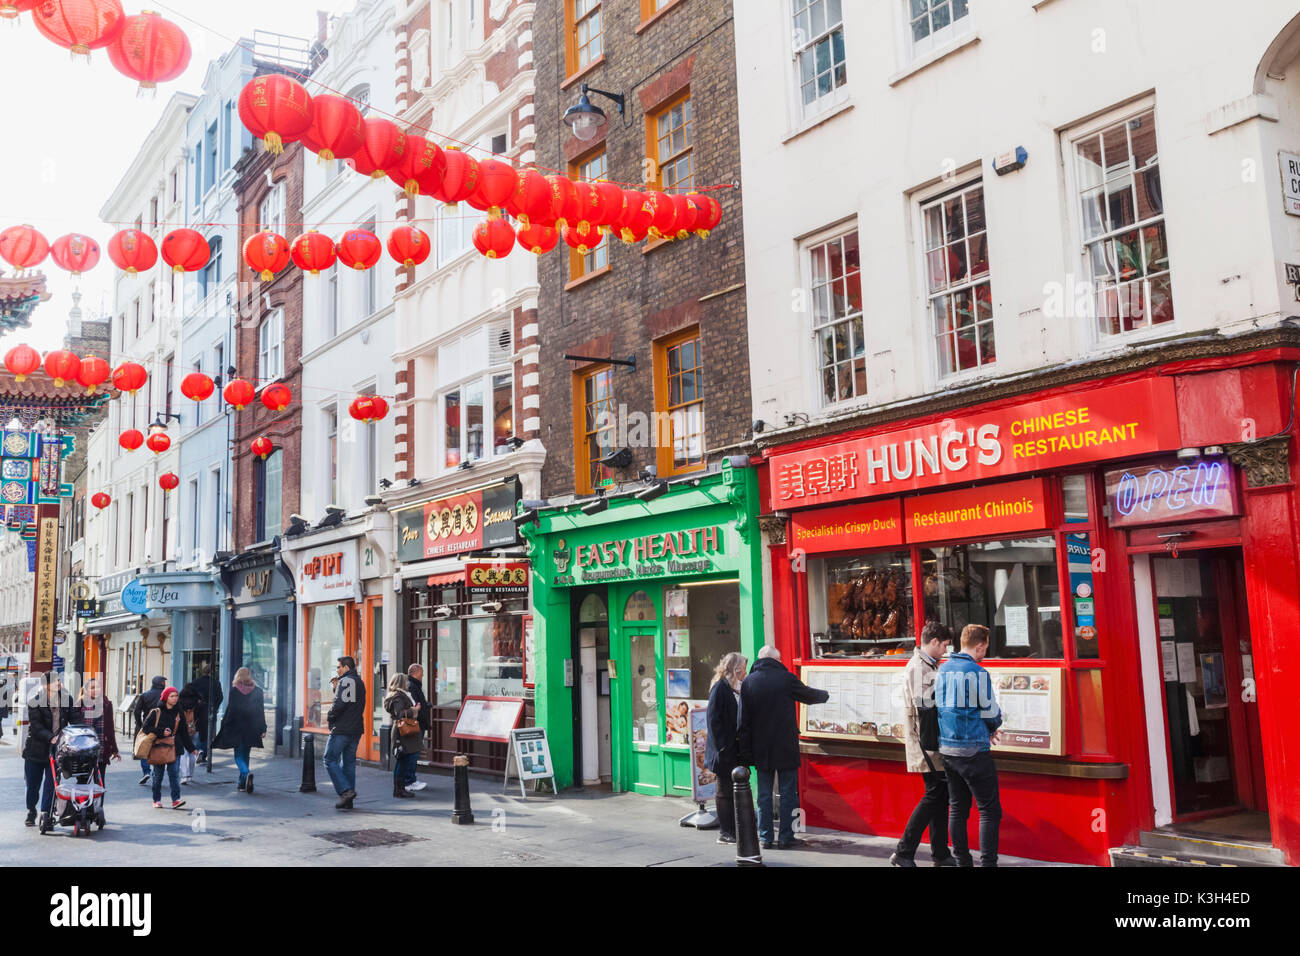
x=1171 y=491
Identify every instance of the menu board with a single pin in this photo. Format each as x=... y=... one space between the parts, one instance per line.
x=488 y=718
x=1030 y=698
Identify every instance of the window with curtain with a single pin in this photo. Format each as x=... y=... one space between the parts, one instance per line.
x=957 y=280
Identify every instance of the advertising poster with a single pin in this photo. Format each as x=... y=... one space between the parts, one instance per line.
x=704 y=782
x=679 y=681
x=679 y=719
x=1215 y=681
x=675 y=603
x=678 y=642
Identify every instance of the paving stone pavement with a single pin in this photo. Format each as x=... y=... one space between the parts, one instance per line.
x=279 y=826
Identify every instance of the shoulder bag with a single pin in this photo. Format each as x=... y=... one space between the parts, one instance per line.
x=144 y=742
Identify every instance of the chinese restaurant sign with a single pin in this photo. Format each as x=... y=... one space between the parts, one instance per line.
x=657 y=554
x=1004 y=508
x=497 y=578
x=1171 y=491
x=466 y=522
x=877 y=524
x=1082 y=427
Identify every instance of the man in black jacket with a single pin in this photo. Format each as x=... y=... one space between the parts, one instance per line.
x=209 y=690
x=49 y=710
x=769 y=739
x=346 y=721
x=415 y=687
x=143 y=704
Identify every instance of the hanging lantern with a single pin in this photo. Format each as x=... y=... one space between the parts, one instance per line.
x=150 y=50
x=591 y=206
x=79 y=25
x=337 y=128
x=131 y=439
x=312 y=252
x=664 y=221
x=637 y=217
x=93 y=373
x=158 y=442
x=129 y=377
x=62 y=366
x=168 y=481
x=709 y=215
x=564 y=200
x=378 y=408
x=21 y=361
x=276 y=109
x=420 y=168
x=75 y=253
x=496 y=184
x=408 y=245
x=583 y=237
x=359 y=249
x=276 y=397
x=382 y=149
x=132 y=251
x=612 y=195
x=494 y=238
x=537 y=239
x=9 y=9
x=100 y=500
x=197 y=386
x=239 y=393
x=362 y=408
x=266 y=253
x=185 y=250
x=531 y=202
x=687 y=214
x=459 y=177
x=23 y=247
x=261 y=447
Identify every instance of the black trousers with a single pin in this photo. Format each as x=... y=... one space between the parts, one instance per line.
x=725 y=802
x=977 y=777
x=932 y=814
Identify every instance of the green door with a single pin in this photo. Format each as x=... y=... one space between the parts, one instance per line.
x=644 y=732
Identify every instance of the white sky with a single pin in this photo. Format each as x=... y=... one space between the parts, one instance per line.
x=70 y=130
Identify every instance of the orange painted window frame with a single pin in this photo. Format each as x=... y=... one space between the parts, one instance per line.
x=571 y=63
x=577 y=263
x=652 y=139
x=664 y=451
x=581 y=461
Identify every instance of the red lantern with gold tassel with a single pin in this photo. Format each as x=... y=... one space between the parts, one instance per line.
x=709 y=213
x=276 y=397
x=408 y=245
x=276 y=109
x=664 y=223
x=62 y=366
x=420 y=168
x=185 y=250
x=197 y=387
x=23 y=247
x=75 y=253
x=496 y=184
x=79 y=25
x=266 y=253
x=564 y=200
x=382 y=149
x=378 y=408
x=94 y=372
x=100 y=500
x=637 y=217
x=168 y=481
x=312 y=252
x=239 y=393
x=261 y=447
x=530 y=202
x=612 y=195
x=150 y=50
x=337 y=128
x=9 y=9
x=583 y=237
x=359 y=249
x=21 y=361
x=687 y=213
x=459 y=177
x=537 y=239
x=131 y=439
x=360 y=409
x=591 y=206
x=129 y=377
x=158 y=442
x=132 y=251
x=494 y=238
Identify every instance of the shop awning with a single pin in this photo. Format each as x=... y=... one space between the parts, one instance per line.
x=447 y=580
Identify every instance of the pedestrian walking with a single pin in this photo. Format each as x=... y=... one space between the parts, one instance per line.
x=969 y=718
x=415 y=687
x=346 y=722
x=243 y=725
x=49 y=710
x=143 y=704
x=6 y=698
x=722 y=747
x=406 y=732
x=167 y=723
x=769 y=739
x=189 y=704
x=97 y=711
x=922 y=740
x=209 y=690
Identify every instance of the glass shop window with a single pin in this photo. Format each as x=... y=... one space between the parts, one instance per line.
x=1011 y=587
x=324 y=648
x=494 y=657
x=861 y=606
x=701 y=626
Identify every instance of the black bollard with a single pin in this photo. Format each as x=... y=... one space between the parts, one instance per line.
x=747 y=850
x=461 y=813
x=308 y=764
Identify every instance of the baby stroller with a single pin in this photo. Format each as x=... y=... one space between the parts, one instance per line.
x=78 y=783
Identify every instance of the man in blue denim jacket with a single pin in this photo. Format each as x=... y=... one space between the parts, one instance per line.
x=969 y=718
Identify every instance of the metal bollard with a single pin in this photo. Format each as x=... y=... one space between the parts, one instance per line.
x=308 y=764
x=461 y=813
x=747 y=850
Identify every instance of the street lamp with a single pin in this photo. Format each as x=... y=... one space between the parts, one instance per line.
x=584 y=118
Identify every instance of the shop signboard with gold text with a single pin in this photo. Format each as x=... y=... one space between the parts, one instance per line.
x=473 y=521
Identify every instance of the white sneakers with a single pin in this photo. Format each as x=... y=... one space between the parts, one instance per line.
x=418 y=785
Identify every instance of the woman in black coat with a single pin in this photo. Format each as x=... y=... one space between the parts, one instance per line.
x=243 y=725
x=167 y=723
x=406 y=748
x=722 y=752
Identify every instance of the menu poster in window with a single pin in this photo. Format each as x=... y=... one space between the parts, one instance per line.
x=676 y=603
x=864 y=702
x=1017 y=623
x=1030 y=699
x=488 y=718
x=704 y=782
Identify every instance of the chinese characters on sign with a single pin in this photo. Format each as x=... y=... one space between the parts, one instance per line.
x=45 y=610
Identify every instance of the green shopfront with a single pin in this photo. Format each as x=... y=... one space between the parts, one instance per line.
x=634 y=606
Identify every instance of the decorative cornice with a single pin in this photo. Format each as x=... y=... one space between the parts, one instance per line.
x=1266 y=462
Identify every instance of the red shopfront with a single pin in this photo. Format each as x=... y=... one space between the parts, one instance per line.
x=1131 y=542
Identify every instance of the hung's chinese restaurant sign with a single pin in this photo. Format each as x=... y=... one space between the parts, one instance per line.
x=658 y=554
x=1114 y=421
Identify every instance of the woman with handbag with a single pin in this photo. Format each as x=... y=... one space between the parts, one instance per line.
x=406 y=733
x=243 y=725
x=165 y=724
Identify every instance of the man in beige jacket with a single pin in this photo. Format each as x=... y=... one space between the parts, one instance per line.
x=932 y=811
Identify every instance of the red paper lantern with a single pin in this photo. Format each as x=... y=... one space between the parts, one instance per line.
x=168 y=481
x=75 y=253
x=150 y=50
x=361 y=408
x=687 y=214
x=583 y=237
x=21 y=361
x=79 y=25
x=129 y=377
x=100 y=500
x=93 y=373
x=132 y=251
x=564 y=200
x=408 y=245
x=378 y=408
x=312 y=252
x=158 y=442
x=537 y=239
x=239 y=393
x=62 y=366
x=23 y=247
x=531 y=202
x=337 y=128
x=261 y=447
x=382 y=149
x=708 y=216
x=591 y=206
x=496 y=184
x=9 y=9
x=637 y=217
x=359 y=249
x=197 y=386
x=275 y=108
x=664 y=223
x=494 y=238
x=277 y=396
x=185 y=250
x=612 y=195
x=420 y=168
x=266 y=253
x=131 y=439
x=459 y=177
